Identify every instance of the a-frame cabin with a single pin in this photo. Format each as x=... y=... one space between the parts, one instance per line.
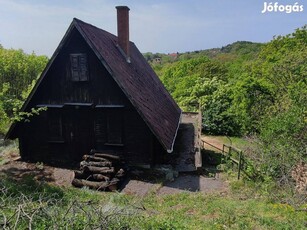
x=100 y=93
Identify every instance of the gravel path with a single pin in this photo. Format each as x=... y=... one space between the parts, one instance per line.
x=184 y=183
x=213 y=141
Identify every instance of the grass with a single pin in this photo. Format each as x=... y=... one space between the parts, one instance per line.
x=238 y=142
x=8 y=150
x=81 y=208
x=30 y=204
x=27 y=203
x=198 y=211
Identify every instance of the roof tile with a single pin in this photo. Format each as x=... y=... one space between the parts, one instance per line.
x=138 y=81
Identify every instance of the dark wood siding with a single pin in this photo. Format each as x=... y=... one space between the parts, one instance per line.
x=114 y=127
x=100 y=129
x=55 y=125
x=138 y=138
x=90 y=112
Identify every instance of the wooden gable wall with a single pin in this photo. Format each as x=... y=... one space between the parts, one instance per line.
x=82 y=115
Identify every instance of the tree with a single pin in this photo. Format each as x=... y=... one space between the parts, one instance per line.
x=18 y=73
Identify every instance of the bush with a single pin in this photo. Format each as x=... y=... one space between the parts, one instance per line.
x=284 y=136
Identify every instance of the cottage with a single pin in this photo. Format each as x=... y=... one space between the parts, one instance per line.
x=100 y=93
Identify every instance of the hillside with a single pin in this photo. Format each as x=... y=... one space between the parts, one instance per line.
x=248 y=89
x=236 y=49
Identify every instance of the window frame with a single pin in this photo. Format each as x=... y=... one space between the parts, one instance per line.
x=79 y=67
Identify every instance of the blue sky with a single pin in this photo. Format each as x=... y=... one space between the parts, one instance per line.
x=156 y=26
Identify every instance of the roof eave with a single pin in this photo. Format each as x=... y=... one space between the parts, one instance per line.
x=173 y=143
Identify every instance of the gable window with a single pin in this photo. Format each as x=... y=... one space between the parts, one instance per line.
x=79 y=67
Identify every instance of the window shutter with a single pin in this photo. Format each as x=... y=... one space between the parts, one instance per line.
x=79 y=67
x=83 y=67
x=74 y=67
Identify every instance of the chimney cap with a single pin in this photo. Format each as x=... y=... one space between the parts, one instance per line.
x=122 y=7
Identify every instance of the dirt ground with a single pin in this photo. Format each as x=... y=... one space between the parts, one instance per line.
x=134 y=186
x=213 y=141
x=56 y=176
x=138 y=185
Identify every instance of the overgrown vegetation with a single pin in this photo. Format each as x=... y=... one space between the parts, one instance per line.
x=18 y=74
x=243 y=89
x=8 y=151
x=28 y=204
x=257 y=90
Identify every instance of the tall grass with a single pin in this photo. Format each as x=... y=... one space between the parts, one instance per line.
x=28 y=204
x=8 y=150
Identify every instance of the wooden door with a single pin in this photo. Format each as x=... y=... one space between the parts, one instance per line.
x=79 y=132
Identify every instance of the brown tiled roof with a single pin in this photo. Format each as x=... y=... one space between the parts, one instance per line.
x=138 y=81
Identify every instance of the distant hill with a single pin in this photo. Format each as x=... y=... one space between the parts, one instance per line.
x=242 y=47
x=230 y=51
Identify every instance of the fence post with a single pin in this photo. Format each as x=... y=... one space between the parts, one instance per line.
x=239 y=165
x=224 y=155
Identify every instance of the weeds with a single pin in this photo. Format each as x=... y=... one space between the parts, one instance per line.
x=30 y=205
x=8 y=150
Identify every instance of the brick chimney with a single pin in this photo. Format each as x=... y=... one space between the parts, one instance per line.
x=123 y=30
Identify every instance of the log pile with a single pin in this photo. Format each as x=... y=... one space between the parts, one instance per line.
x=99 y=171
x=299 y=174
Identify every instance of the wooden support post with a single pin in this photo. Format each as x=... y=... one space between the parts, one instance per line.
x=239 y=165
x=229 y=152
x=224 y=155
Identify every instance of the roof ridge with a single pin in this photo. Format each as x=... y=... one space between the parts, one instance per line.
x=77 y=21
